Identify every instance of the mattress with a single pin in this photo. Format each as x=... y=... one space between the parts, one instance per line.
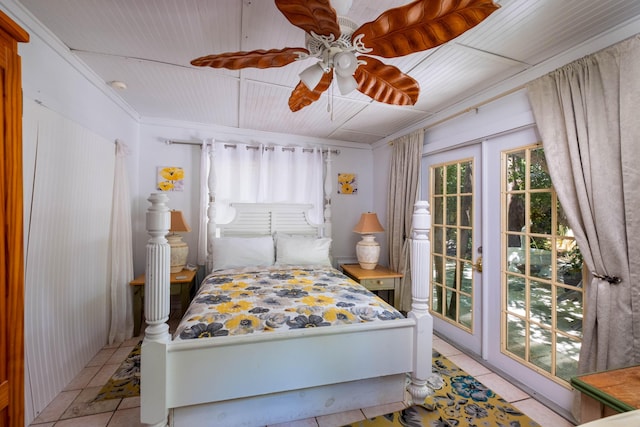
x=279 y=298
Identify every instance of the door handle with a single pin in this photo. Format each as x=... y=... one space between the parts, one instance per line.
x=478 y=265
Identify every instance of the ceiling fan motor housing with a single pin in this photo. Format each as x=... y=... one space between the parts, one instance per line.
x=325 y=47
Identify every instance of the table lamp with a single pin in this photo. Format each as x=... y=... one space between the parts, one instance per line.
x=179 y=249
x=367 y=249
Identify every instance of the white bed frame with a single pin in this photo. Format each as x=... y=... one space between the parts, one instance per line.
x=274 y=378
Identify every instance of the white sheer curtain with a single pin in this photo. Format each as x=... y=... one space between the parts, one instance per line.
x=121 y=252
x=587 y=115
x=237 y=171
x=292 y=175
x=274 y=174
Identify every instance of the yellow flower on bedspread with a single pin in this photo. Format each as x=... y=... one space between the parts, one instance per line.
x=338 y=316
x=243 y=324
x=315 y=300
x=231 y=286
x=241 y=294
x=234 y=306
x=300 y=281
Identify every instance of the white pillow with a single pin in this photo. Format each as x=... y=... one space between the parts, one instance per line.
x=237 y=252
x=303 y=250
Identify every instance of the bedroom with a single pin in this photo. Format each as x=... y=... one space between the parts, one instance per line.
x=58 y=90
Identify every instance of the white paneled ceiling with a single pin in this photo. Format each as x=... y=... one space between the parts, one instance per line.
x=148 y=44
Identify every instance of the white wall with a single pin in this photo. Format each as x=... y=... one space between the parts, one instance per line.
x=154 y=152
x=52 y=79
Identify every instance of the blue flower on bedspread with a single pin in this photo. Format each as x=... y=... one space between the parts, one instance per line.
x=212 y=299
x=352 y=298
x=280 y=276
x=259 y=310
x=204 y=330
x=361 y=291
x=343 y=304
x=218 y=280
x=313 y=321
x=292 y=293
x=389 y=315
x=272 y=301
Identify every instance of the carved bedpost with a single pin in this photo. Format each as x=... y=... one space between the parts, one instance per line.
x=328 y=189
x=422 y=379
x=211 y=209
x=156 y=284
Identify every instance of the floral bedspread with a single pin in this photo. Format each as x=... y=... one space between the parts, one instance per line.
x=276 y=298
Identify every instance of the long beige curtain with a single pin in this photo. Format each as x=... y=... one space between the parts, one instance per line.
x=404 y=185
x=587 y=115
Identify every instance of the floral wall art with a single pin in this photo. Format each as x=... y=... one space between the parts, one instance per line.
x=347 y=183
x=170 y=178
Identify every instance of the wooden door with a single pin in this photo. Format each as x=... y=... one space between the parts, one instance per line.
x=11 y=228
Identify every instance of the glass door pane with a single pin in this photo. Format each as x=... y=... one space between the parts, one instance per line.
x=542 y=270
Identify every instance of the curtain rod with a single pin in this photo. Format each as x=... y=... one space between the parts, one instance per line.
x=284 y=148
x=182 y=142
x=229 y=145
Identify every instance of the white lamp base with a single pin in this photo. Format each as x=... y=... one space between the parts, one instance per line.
x=179 y=252
x=368 y=252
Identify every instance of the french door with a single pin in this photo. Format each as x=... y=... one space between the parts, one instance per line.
x=497 y=288
x=452 y=180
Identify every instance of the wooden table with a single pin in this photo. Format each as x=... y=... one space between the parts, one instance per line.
x=378 y=279
x=182 y=284
x=608 y=392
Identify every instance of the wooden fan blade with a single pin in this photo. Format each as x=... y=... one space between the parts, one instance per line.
x=311 y=15
x=256 y=58
x=302 y=96
x=421 y=25
x=386 y=83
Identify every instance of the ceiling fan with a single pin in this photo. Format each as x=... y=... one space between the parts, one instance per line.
x=343 y=47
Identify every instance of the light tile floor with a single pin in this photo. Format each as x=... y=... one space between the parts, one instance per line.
x=73 y=406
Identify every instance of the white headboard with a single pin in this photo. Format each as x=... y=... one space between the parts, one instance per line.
x=255 y=219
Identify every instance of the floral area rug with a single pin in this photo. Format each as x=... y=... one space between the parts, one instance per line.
x=462 y=401
x=126 y=380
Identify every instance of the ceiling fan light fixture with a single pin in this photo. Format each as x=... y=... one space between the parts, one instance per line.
x=311 y=76
x=346 y=84
x=345 y=63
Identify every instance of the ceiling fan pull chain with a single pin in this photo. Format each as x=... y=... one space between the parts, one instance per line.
x=330 y=102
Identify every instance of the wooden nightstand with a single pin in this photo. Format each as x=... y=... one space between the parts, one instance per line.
x=379 y=279
x=181 y=284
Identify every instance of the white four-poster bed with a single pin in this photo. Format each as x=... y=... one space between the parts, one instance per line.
x=290 y=372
